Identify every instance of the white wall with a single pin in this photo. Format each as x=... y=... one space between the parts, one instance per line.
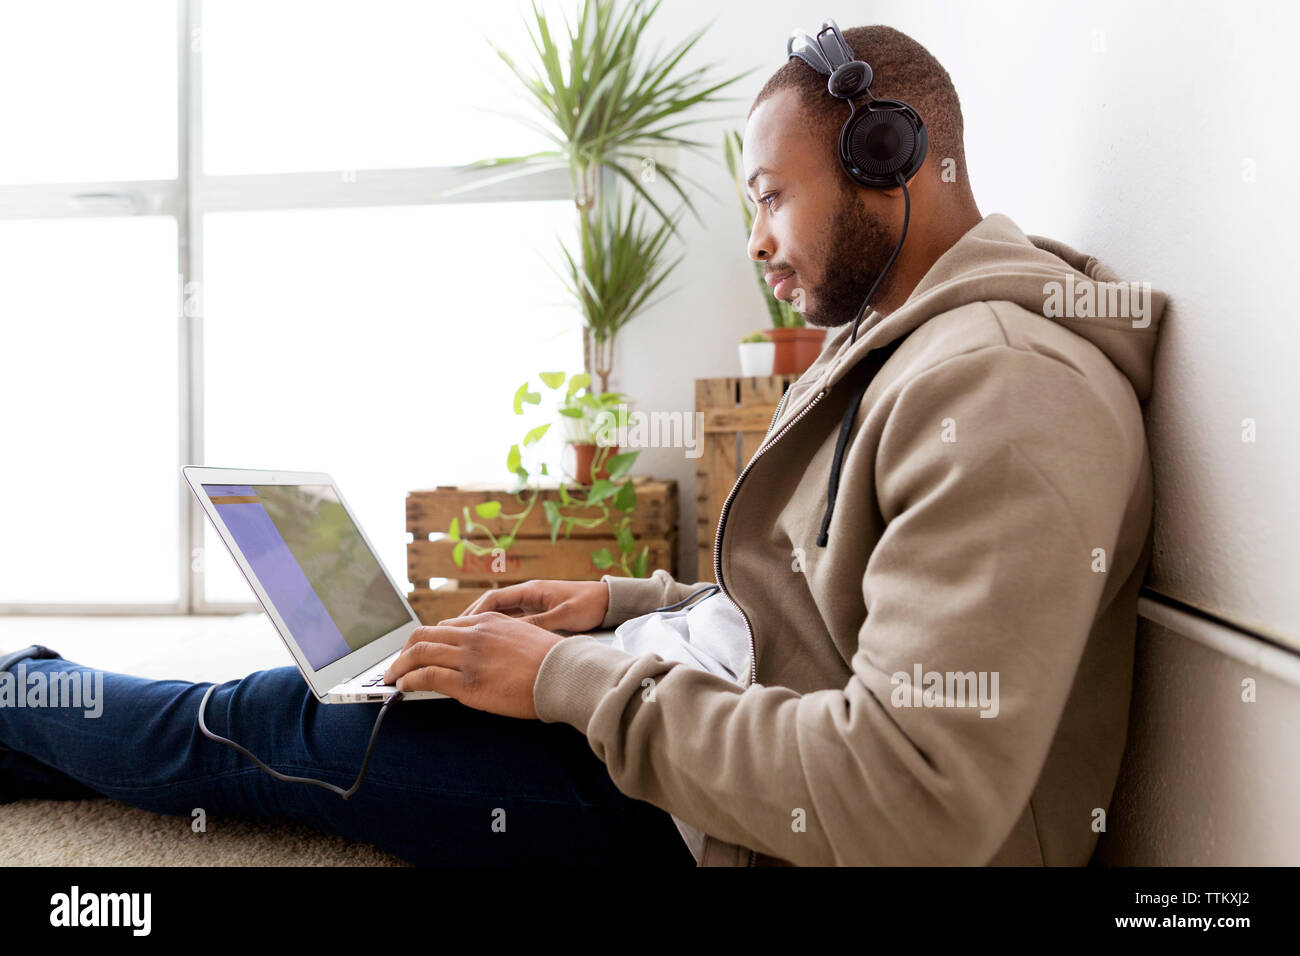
x=1134 y=152
x=1129 y=131
x=1208 y=778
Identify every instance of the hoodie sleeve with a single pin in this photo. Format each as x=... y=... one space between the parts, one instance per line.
x=632 y=597
x=986 y=564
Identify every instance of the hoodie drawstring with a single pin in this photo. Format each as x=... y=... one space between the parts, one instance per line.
x=872 y=363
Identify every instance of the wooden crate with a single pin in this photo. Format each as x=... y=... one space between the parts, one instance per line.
x=737 y=413
x=532 y=555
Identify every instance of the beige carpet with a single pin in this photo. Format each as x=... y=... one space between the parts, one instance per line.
x=108 y=833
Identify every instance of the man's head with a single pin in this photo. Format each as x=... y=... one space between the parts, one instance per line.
x=830 y=234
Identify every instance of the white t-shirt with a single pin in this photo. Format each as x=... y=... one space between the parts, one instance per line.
x=709 y=635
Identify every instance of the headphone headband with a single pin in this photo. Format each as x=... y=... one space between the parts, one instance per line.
x=883 y=139
x=822 y=57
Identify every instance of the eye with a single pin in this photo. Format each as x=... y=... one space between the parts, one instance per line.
x=767 y=198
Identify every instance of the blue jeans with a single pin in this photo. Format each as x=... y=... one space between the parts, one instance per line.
x=447 y=785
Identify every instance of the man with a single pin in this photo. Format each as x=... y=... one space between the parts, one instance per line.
x=933 y=562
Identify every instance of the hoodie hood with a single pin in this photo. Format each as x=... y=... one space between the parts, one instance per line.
x=996 y=262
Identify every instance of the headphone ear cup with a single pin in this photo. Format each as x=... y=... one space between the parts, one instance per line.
x=878 y=144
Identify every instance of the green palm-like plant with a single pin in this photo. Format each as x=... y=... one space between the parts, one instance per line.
x=783 y=314
x=619 y=268
x=607 y=108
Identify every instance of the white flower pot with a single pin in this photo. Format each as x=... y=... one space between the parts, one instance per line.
x=756 y=358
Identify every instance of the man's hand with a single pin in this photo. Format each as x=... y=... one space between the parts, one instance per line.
x=555 y=605
x=486 y=661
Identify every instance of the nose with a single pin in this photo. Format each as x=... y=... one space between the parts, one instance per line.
x=761 y=245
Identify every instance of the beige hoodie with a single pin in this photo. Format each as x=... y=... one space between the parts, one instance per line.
x=947 y=680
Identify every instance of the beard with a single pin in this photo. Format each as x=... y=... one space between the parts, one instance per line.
x=854 y=249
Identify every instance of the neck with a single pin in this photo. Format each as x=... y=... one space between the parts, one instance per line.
x=926 y=241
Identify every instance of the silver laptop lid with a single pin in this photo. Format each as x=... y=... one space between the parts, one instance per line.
x=311 y=567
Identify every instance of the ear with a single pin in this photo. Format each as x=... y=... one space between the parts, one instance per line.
x=894 y=192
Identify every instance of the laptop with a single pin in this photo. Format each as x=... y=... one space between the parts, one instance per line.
x=315 y=573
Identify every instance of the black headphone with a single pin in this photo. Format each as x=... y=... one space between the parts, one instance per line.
x=882 y=143
x=882 y=139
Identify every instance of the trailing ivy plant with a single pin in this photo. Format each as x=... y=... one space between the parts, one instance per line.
x=587 y=418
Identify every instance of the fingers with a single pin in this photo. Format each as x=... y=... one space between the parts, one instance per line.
x=537 y=602
x=497 y=599
x=514 y=600
x=434 y=678
x=555 y=617
x=427 y=632
x=478 y=605
x=444 y=632
x=466 y=620
x=436 y=646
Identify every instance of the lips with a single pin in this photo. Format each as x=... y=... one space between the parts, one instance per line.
x=782 y=284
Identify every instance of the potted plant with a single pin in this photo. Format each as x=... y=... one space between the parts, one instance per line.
x=608 y=108
x=607 y=497
x=795 y=348
x=592 y=424
x=756 y=351
x=620 y=267
x=795 y=344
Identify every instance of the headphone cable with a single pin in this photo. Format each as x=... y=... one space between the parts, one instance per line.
x=907 y=212
x=687 y=599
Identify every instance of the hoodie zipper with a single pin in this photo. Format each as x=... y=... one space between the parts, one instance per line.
x=722 y=518
x=777 y=414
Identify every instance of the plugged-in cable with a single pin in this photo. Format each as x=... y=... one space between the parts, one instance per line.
x=345 y=794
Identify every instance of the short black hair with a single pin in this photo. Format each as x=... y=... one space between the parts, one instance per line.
x=902 y=70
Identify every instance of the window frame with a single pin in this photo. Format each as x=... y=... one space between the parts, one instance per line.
x=187 y=199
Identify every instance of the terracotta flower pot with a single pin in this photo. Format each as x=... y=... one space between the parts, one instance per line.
x=796 y=349
x=579 y=458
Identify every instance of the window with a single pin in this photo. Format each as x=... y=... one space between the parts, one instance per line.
x=88 y=379
x=369 y=344
x=222 y=242
x=300 y=85
x=90 y=93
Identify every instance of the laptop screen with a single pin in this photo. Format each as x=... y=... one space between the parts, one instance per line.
x=310 y=559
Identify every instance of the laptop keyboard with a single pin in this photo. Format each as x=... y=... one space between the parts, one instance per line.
x=376 y=677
